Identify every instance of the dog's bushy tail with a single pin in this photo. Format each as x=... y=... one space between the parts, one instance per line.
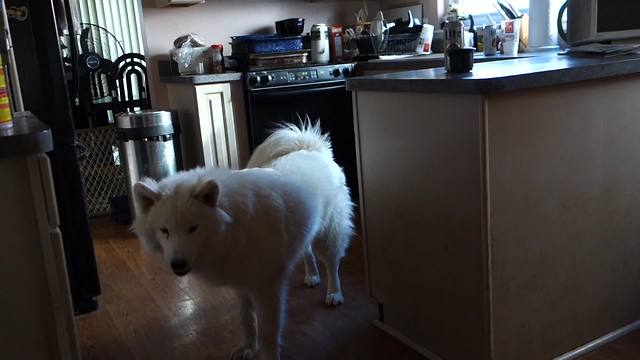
x=289 y=138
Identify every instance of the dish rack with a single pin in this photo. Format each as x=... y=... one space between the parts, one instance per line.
x=396 y=44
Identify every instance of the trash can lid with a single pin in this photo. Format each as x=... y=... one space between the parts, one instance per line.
x=139 y=125
x=144 y=119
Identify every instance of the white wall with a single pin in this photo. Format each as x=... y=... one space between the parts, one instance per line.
x=433 y=10
x=217 y=20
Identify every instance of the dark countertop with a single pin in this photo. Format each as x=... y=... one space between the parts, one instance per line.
x=166 y=76
x=202 y=79
x=27 y=136
x=428 y=61
x=501 y=76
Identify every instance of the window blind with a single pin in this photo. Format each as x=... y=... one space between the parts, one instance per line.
x=119 y=17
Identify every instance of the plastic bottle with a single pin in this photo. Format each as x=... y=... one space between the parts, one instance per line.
x=217 y=59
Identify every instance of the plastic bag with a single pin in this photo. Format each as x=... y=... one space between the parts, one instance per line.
x=190 y=56
x=194 y=39
x=184 y=54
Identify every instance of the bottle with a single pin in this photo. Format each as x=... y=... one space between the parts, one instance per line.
x=6 y=111
x=320 y=52
x=217 y=59
x=5 y=107
x=490 y=40
x=453 y=31
x=335 y=43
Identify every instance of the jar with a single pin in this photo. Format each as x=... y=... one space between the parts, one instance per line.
x=453 y=33
x=217 y=59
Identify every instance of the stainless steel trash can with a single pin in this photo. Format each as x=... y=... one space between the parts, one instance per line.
x=149 y=146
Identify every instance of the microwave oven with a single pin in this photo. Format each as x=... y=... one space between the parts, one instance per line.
x=591 y=21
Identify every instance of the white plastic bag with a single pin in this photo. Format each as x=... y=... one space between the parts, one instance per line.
x=190 y=55
x=184 y=54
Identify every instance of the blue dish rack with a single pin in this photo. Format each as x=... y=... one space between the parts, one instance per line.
x=243 y=46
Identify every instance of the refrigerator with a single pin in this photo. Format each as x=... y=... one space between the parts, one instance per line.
x=48 y=87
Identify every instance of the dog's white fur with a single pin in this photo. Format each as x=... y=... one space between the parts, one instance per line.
x=246 y=229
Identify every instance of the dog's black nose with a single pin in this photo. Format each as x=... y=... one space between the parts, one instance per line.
x=180 y=266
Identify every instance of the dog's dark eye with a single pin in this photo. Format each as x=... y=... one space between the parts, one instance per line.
x=193 y=228
x=164 y=231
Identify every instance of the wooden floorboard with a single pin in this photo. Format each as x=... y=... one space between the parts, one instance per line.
x=146 y=312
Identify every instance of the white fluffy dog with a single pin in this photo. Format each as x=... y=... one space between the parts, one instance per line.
x=246 y=229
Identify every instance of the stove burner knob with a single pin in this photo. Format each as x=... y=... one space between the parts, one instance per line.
x=254 y=80
x=336 y=72
x=346 y=72
x=265 y=79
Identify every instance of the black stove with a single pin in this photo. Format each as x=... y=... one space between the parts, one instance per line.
x=268 y=78
x=288 y=95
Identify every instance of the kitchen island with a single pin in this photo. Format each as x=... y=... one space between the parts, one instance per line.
x=501 y=208
x=399 y=63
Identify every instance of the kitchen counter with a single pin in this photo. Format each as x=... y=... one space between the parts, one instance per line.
x=496 y=199
x=166 y=76
x=27 y=136
x=415 y=62
x=202 y=79
x=501 y=76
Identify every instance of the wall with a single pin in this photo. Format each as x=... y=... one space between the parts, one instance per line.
x=217 y=20
x=433 y=10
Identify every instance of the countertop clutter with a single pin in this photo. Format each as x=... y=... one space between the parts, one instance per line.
x=501 y=76
x=168 y=75
x=202 y=79
x=27 y=136
x=426 y=61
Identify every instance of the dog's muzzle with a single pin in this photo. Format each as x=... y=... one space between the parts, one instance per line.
x=180 y=267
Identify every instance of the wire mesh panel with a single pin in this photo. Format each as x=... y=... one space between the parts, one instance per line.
x=102 y=172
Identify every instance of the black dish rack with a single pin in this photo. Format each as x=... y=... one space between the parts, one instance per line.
x=396 y=44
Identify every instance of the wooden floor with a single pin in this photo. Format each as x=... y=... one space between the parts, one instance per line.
x=146 y=312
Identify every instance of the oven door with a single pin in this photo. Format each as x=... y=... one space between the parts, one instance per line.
x=328 y=102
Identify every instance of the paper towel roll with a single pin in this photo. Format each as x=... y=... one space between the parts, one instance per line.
x=543 y=33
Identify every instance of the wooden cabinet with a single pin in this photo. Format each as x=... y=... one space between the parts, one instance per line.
x=212 y=122
x=36 y=314
x=503 y=226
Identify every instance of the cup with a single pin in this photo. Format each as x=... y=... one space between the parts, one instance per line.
x=426 y=37
x=461 y=59
x=510 y=36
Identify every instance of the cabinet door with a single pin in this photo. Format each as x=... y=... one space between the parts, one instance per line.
x=217 y=126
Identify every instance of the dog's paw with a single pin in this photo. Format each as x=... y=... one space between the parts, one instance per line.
x=244 y=353
x=334 y=299
x=312 y=280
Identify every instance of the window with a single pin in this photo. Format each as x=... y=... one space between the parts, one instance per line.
x=542 y=23
x=121 y=19
x=481 y=7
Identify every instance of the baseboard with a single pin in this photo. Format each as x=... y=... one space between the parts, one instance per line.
x=405 y=340
x=599 y=342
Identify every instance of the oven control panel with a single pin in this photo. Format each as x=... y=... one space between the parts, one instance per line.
x=295 y=76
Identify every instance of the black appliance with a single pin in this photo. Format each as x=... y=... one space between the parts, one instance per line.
x=288 y=95
x=48 y=86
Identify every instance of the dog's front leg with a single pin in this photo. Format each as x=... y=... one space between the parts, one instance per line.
x=270 y=310
x=249 y=346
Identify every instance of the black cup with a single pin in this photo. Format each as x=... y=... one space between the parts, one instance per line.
x=461 y=59
x=290 y=27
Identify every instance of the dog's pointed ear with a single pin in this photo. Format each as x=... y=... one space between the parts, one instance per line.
x=146 y=195
x=207 y=193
